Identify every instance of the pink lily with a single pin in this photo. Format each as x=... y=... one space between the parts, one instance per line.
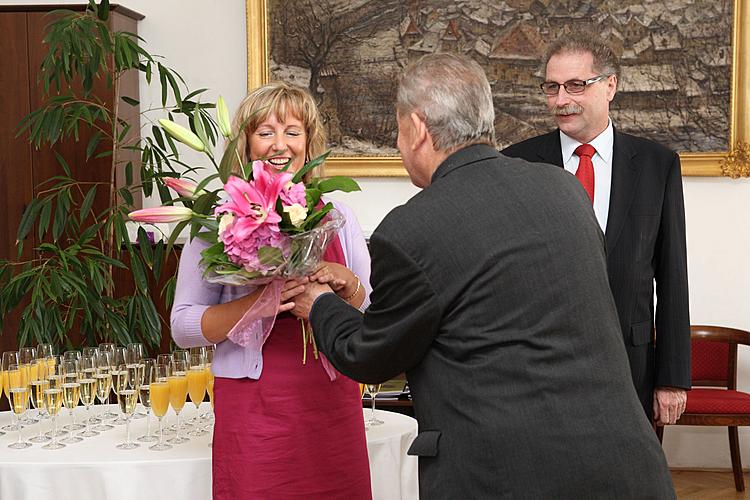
x=254 y=202
x=184 y=188
x=161 y=214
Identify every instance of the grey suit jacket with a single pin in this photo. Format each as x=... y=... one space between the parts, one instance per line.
x=490 y=291
x=645 y=244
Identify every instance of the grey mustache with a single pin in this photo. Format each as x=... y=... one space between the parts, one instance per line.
x=568 y=109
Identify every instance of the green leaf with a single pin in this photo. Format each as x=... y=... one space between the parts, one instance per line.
x=139 y=274
x=27 y=220
x=129 y=173
x=338 y=183
x=144 y=246
x=103 y=11
x=158 y=258
x=227 y=159
x=309 y=166
x=63 y=163
x=93 y=142
x=175 y=234
x=88 y=202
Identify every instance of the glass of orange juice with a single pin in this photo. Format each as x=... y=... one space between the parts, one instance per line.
x=159 y=389
x=178 y=390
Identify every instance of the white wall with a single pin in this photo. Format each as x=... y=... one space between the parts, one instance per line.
x=205 y=42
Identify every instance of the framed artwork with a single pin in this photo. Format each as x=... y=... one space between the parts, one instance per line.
x=685 y=79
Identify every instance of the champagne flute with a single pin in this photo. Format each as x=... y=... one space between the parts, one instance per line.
x=127 y=398
x=89 y=351
x=87 y=380
x=53 y=401
x=56 y=379
x=134 y=354
x=39 y=383
x=373 y=390
x=19 y=391
x=3 y=387
x=26 y=360
x=117 y=362
x=71 y=396
x=9 y=358
x=149 y=376
x=43 y=351
x=159 y=389
x=178 y=389
x=71 y=393
x=196 y=380
x=109 y=349
x=103 y=379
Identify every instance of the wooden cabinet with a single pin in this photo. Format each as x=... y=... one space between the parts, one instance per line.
x=22 y=168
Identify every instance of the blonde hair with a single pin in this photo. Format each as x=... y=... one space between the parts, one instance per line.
x=280 y=99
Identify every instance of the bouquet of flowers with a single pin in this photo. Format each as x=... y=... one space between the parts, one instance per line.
x=265 y=225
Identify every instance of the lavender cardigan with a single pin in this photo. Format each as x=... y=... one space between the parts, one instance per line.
x=193 y=296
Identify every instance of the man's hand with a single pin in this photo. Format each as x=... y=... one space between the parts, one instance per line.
x=669 y=403
x=302 y=294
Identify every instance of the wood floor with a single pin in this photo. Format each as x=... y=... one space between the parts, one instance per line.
x=707 y=485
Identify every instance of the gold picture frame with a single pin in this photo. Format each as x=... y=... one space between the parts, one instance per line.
x=734 y=163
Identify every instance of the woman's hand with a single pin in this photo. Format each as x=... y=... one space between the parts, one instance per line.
x=341 y=280
x=291 y=289
x=331 y=273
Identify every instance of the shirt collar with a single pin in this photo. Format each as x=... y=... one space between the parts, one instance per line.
x=603 y=143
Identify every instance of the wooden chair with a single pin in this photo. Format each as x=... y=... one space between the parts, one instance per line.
x=714 y=399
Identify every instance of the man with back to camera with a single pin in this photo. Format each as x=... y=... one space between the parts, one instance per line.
x=490 y=291
x=636 y=190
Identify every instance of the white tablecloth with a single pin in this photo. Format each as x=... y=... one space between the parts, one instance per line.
x=94 y=469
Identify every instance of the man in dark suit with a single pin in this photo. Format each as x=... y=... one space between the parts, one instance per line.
x=636 y=189
x=490 y=291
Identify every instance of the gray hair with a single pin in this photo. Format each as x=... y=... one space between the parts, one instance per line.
x=452 y=95
x=585 y=42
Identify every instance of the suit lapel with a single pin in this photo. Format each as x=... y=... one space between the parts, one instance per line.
x=625 y=174
x=550 y=150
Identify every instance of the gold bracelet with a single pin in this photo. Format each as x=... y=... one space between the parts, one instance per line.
x=356 y=290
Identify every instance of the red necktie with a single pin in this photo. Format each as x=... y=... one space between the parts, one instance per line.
x=585 y=172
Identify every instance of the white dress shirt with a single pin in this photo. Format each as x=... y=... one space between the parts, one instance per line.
x=602 y=160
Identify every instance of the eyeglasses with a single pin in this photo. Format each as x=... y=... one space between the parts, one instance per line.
x=571 y=86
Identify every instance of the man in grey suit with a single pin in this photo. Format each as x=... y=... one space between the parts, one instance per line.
x=490 y=291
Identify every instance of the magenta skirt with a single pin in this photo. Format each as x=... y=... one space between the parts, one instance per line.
x=292 y=434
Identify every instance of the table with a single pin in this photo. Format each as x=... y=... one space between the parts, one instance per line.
x=94 y=469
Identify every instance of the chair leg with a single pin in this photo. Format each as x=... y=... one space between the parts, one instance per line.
x=734 y=451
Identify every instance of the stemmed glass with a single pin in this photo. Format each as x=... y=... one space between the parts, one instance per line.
x=9 y=358
x=56 y=379
x=87 y=380
x=126 y=385
x=71 y=396
x=134 y=356
x=160 y=401
x=44 y=351
x=196 y=379
x=53 y=401
x=38 y=386
x=18 y=389
x=103 y=385
x=26 y=360
x=178 y=389
x=373 y=390
x=109 y=350
x=149 y=377
x=116 y=363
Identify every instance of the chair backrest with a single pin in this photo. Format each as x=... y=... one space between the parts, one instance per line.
x=714 y=355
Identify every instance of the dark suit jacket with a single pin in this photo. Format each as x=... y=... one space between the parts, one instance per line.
x=490 y=291
x=645 y=242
